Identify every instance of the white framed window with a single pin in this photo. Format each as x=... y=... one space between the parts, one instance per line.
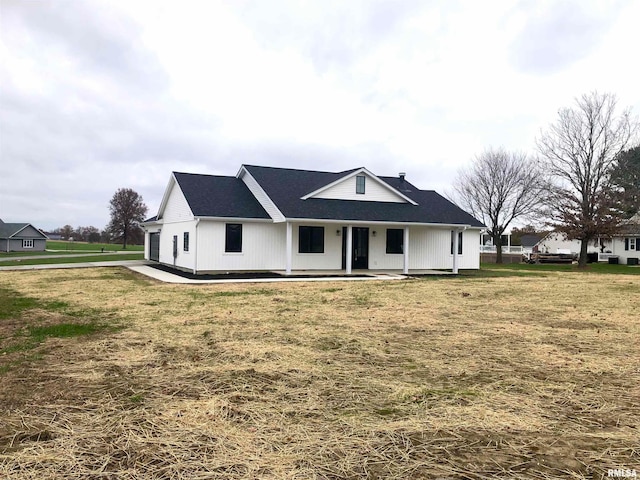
x=27 y=243
x=632 y=244
x=360 y=184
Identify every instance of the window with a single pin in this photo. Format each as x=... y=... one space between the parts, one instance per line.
x=360 y=184
x=233 y=237
x=311 y=239
x=632 y=243
x=185 y=242
x=27 y=243
x=459 y=242
x=395 y=240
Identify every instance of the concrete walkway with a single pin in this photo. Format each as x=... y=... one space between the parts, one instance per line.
x=142 y=267
x=308 y=277
x=51 y=266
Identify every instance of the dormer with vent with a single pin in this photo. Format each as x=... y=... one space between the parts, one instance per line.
x=359 y=185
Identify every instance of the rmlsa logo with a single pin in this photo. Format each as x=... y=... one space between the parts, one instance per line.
x=621 y=473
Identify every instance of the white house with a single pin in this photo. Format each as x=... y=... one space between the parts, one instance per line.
x=557 y=242
x=625 y=245
x=279 y=219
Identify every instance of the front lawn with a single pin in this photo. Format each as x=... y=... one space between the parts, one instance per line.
x=531 y=375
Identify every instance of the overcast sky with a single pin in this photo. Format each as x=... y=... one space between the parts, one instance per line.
x=97 y=95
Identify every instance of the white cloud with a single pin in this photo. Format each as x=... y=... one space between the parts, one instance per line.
x=106 y=95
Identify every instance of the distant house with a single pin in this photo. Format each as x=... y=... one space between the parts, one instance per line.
x=267 y=218
x=557 y=242
x=529 y=242
x=625 y=244
x=21 y=237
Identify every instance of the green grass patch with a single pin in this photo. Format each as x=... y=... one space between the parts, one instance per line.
x=84 y=259
x=34 y=336
x=20 y=333
x=12 y=304
x=63 y=330
x=4 y=255
x=493 y=269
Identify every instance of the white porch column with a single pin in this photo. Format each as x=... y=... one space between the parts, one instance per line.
x=405 y=251
x=147 y=245
x=455 y=251
x=349 y=248
x=289 y=247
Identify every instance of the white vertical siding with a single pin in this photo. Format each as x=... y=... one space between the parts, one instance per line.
x=264 y=244
x=184 y=259
x=378 y=256
x=374 y=192
x=263 y=247
x=429 y=248
x=331 y=259
x=177 y=209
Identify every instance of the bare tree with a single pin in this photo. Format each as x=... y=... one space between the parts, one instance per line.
x=579 y=151
x=66 y=232
x=500 y=187
x=127 y=211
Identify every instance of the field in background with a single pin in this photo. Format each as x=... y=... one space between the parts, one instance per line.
x=505 y=374
x=92 y=247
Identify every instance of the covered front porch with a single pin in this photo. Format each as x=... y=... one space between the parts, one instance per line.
x=346 y=248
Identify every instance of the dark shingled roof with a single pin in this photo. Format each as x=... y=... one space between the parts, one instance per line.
x=531 y=239
x=286 y=187
x=8 y=229
x=218 y=196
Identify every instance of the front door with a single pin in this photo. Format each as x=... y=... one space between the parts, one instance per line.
x=359 y=248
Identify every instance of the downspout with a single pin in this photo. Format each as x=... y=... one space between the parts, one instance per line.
x=195 y=250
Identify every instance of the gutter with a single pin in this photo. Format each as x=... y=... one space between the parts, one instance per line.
x=195 y=251
x=384 y=222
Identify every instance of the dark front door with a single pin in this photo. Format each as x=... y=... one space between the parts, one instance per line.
x=359 y=248
x=154 y=247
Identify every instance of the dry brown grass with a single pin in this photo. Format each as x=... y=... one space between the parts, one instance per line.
x=514 y=377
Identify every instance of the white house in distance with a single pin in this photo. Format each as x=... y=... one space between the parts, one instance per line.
x=557 y=242
x=625 y=244
x=280 y=219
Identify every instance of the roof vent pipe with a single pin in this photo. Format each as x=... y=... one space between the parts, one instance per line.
x=402 y=175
